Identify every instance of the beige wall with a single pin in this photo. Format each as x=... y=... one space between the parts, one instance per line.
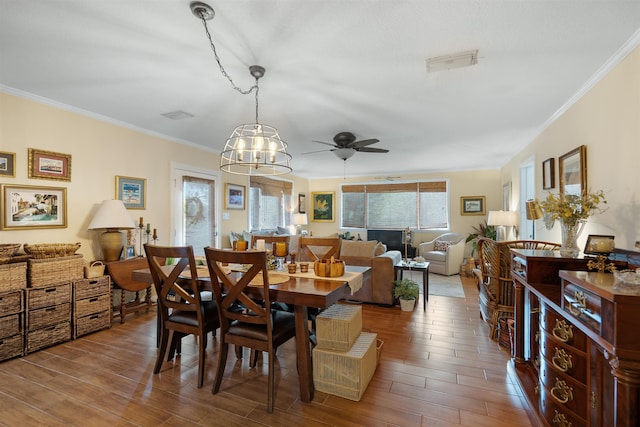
x=607 y=121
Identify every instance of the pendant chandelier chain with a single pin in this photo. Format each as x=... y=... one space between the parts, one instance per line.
x=223 y=71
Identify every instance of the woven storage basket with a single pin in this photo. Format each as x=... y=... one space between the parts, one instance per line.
x=339 y=326
x=11 y=325
x=43 y=317
x=49 y=296
x=51 y=250
x=11 y=347
x=45 y=272
x=92 y=323
x=92 y=305
x=95 y=269
x=8 y=250
x=13 y=276
x=88 y=288
x=49 y=336
x=11 y=302
x=346 y=374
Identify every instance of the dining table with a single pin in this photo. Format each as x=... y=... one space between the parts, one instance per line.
x=301 y=293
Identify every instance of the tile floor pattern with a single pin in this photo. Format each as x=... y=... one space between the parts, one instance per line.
x=438 y=368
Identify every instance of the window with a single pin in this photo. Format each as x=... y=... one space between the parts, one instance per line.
x=421 y=205
x=269 y=203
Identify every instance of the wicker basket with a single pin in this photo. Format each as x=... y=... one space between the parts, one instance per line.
x=11 y=347
x=51 y=250
x=8 y=250
x=95 y=269
x=88 y=288
x=11 y=325
x=11 y=302
x=49 y=336
x=339 y=326
x=45 y=272
x=13 y=276
x=49 y=296
x=92 y=323
x=41 y=318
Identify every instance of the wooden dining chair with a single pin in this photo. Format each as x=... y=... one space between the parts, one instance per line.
x=257 y=326
x=181 y=309
x=317 y=248
x=268 y=240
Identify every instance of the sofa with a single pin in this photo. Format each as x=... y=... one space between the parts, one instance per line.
x=444 y=253
x=379 y=289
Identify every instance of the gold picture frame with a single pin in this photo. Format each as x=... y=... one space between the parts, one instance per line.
x=473 y=205
x=573 y=171
x=49 y=165
x=31 y=206
x=323 y=206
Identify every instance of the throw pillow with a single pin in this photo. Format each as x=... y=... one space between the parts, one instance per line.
x=283 y=230
x=441 y=246
x=380 y=249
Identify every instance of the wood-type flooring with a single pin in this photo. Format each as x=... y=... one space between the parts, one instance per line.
x=438 y=368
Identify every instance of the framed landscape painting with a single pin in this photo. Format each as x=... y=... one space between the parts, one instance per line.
x=7 y=164
x=132 y=191
x=49 y=165
x=234 y=196
x=323 y=206
x=31 y=206
x=472 y=205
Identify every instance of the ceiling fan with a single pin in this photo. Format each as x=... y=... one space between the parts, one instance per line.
x=346 y=146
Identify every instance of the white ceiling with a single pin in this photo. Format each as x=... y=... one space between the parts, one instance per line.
x=332 y=66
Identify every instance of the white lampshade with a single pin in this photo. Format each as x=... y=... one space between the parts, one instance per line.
x=300 y=219
x=506 y=218
x=111 y=214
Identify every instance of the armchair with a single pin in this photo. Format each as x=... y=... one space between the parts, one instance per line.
x=444 y=253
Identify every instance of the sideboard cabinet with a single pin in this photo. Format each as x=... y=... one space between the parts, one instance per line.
x=577 y=358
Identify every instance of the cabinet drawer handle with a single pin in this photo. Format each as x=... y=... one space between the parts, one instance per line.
x=563 y=331
x=579 y=304
x=562 y=360
x=560 y=420
x=561 y=392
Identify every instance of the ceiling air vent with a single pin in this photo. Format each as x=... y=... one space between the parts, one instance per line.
x=177 y=115
x=456 y=60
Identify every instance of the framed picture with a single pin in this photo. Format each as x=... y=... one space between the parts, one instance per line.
x=49 y=165
x=7 y=164
x=31 y=206
x=129 y=252
x=506 y=196
x=573 y=171
x=599 y=245
x=548 y=174
x=132 y=191
x=234 y=196
x=323 y=206
x=472 y=205
x=302 y=203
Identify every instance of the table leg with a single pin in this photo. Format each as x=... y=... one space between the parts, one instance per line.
x=425 y=288
x=303 y=354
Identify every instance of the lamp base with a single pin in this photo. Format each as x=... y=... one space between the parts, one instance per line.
x=111 y=244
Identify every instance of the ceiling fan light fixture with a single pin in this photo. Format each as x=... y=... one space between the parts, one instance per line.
x=344 y=153
x=456 y=60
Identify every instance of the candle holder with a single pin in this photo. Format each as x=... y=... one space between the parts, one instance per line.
x=280 y=252
x=140 y=229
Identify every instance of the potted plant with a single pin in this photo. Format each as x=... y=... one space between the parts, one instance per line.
x=407 y=291
x=482 y=230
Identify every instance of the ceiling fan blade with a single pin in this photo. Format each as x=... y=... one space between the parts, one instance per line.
x=363 y=143
x=371 y=150
x=319 y=151
x=325 y=143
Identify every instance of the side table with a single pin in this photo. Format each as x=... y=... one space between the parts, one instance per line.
x=120 y=272
x=424 y=267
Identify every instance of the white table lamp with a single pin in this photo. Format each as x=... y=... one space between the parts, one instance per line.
x=111 y=216
x=502 y=219
x=299 y=219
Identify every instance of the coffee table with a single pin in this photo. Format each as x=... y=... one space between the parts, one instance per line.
x=424 y=267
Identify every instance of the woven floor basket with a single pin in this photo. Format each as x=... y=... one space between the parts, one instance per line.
x=44 y=272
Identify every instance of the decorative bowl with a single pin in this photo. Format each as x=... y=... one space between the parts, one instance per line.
x=328 y=268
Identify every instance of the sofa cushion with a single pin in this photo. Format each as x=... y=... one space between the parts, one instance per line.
x=244 y=235
x=379 y=249
x=358 y=248
x=441 y=245
x=436 y=256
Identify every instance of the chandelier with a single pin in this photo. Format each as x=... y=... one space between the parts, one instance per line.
x=252 y=149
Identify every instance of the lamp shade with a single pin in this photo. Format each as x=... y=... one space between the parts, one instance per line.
x=534 y=211
x=111 y=214
x=300 y=219
x=506 y=218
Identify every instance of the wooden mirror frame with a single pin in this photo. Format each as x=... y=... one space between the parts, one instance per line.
x=573 y=170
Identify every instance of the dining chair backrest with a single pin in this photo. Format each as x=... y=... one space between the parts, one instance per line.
x=317 y=248
x=268 y=240
x=230 y=289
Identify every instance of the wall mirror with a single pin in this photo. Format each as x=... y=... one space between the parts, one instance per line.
x=573 y=171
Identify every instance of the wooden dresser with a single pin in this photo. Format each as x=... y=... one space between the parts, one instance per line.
x=577 y=347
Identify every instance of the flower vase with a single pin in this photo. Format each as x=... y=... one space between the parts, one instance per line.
x=570 y=234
